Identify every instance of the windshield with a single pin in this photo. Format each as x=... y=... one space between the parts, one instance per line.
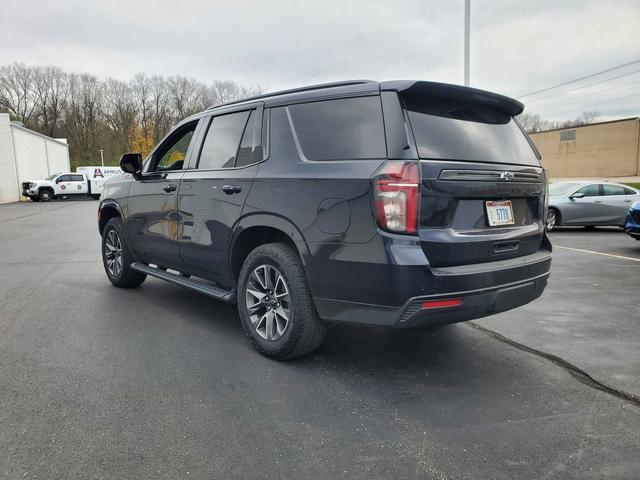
x=561 y=189
x=459 y=130
x=51 y=177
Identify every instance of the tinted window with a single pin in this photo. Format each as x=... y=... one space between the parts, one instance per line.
x=221 y=143
x=590 y=191
x=172 y=154
x=250 y=150
x=77 y=178
x=628 y=191
x=614 y=189
x=460 y=130
x=343 y=129
x=64 y=178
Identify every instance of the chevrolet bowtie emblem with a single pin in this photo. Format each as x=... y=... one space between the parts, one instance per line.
x=507 y=176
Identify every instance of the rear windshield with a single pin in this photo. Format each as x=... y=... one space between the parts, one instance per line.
x=457 y=130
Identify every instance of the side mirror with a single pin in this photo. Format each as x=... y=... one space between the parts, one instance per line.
x=577 y=195
x=132 y=163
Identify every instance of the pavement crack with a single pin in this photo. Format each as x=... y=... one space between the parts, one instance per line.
x=571 y=369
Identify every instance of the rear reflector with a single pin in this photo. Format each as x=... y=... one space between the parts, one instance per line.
x=450 y=302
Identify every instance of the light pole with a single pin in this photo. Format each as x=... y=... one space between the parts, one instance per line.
x=101 y=157
x=467 y=22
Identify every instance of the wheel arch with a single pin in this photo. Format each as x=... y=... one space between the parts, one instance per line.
x=258 y=229
x=558 y=213
x=107 y=210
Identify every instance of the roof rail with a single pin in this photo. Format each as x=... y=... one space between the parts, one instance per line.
x=320 y=86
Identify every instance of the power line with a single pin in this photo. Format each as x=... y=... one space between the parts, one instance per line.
x=583 y=86
x=594 y=104
x=579 y=79
x=581 y=98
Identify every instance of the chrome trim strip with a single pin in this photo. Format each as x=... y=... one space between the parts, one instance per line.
x=490 y=175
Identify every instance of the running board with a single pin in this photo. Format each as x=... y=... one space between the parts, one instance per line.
x=202 y=286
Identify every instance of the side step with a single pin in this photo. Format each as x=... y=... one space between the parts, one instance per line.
x=202 y=286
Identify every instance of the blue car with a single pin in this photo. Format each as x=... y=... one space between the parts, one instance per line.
x=632 y=223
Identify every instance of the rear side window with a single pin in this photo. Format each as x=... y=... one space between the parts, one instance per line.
x=342 y=129
x=221 y=143
x=460 y=130
x=77 y=178
x=250 y=150
x=615 y=190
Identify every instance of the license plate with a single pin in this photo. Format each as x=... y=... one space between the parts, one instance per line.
x=499 y=212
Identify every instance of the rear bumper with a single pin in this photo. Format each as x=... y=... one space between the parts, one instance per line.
x=485 y=289
x=476 y=304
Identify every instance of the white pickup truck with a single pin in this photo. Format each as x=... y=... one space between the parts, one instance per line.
x=86 y=181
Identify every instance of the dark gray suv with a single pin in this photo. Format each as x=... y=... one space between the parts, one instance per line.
x=401 y=203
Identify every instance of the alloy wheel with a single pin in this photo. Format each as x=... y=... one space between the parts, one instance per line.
x=551 y=220
x=268 y=302
x=113 y=252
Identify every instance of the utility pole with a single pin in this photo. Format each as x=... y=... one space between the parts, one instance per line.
x=102 y=155
x=467 y=28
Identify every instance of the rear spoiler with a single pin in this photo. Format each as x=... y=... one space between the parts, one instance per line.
x=446 y=90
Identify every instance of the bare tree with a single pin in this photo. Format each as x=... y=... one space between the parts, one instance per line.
x=185 y=94
x=112 y=115
x=118 y=109
x=51 y=86
x=82 y=117
x=17 y=95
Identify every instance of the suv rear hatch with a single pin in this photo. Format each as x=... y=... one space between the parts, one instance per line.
x=483 y=188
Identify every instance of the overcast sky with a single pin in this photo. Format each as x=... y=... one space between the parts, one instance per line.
x=516 y=46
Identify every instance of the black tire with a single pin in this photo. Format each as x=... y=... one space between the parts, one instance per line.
x=123 y=276
x=304 y=331
x=552 y=220
x=45 y=195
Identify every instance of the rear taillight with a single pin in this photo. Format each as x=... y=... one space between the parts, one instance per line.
x=397 y=196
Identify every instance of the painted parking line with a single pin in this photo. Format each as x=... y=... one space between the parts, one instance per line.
x=597 y=253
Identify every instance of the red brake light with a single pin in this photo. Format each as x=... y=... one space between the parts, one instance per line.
x=397 y=196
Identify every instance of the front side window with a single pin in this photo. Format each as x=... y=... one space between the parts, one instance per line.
x=64 y=178
x=561 y=189
x=172 y=154
x=221 y=142
x=590 y=191
x=342 y=129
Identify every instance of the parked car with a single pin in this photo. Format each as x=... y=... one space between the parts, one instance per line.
x=632 y=223
x=589 y=204
x=402 y=204
x=86 y=181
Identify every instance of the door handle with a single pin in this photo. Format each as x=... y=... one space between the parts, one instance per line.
x=231 y=189
x=169 y=187
x=627 y=201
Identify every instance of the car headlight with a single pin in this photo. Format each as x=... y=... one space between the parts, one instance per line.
x=32 y=185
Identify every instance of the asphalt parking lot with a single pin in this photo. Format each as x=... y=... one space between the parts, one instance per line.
x=160 y=382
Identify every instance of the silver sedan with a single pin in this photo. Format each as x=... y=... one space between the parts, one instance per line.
x=589 y=203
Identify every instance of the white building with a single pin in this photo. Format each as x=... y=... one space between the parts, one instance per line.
x=27 y=155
